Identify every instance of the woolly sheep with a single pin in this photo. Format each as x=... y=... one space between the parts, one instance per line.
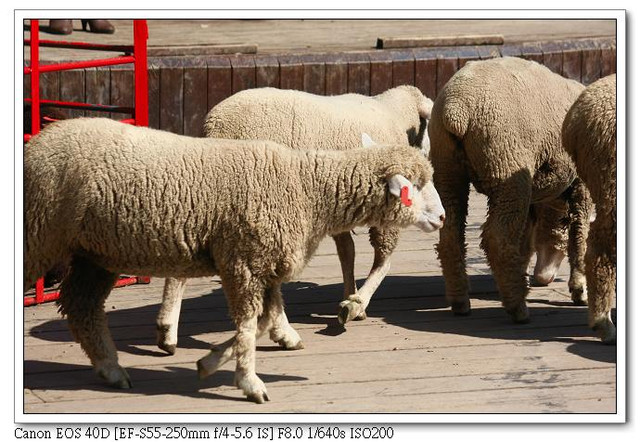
x=124 y=199
x=497 y=124
x=295 y=118
x=298 y=120
x=589 y=135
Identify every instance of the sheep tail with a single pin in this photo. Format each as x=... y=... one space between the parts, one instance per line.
x=425 y=105
x=455 y=118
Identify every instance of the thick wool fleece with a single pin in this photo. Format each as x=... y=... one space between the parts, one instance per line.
x=497 y=124
x=301 y=120
x=298 y=119
x=123 y=199
x=589 y=135
x=142 y=201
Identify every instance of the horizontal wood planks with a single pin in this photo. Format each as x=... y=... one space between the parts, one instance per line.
x=183 y=89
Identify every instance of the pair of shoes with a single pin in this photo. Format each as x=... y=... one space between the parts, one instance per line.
x=98 y=26
x=64 y=27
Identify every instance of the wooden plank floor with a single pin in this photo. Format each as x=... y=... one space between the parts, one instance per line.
x=411 y=354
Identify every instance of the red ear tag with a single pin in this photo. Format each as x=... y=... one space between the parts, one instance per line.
x=404 y=196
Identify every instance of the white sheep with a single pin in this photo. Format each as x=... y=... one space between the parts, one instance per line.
x=589 y=135
x=124 y=199
x=299 y=120
x=496 y=124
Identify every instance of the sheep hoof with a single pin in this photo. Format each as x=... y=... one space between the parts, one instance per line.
x=606 y=332
x=288 y=345
x=202 y=371
x=462 y=308
x=169 y=348
x=351 y=308
x=287 y=338
x=347 y=313
x=258 y=398
x=252 y=387
x=116 y=376
x=579 y=297
x=361 y=317
x=163 y=340
x=520 y=314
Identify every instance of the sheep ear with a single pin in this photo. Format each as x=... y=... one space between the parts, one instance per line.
x=425 y=146
x=367 y=141
x=397 y=182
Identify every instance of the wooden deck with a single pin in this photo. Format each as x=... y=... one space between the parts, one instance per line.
x=410 y=356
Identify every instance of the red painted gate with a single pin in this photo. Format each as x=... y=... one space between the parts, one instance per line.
x=136 y=54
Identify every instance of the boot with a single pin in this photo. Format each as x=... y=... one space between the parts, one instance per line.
x=64 y=27
x=98 y=26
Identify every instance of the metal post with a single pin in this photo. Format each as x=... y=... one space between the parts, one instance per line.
x=35 y=111
x=141 y=81
x=35 y=77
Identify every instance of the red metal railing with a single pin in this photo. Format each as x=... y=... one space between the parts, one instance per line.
x=136 y=54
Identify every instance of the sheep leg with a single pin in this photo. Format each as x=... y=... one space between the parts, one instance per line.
x=506 y=239
x=275 y=318
x=246 y=378
x=246 y=296
x=223 y=353
x=217 y=357
x=383 y=242
x=241 y=347
x=601 y=277
x=167 y=320
x=579 y=212
x=452 y=183
x=347 y=255
x=280 y=332
x=82 y=296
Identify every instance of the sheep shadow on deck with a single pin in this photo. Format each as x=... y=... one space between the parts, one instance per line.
x=175 y=380
x=414 y=303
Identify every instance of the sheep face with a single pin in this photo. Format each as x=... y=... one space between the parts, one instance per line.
x=548 y=262
x=421 y=207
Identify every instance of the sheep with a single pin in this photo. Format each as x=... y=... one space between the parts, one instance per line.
x=589 y=136
x=295 y=118
x=496 y=124
x=299 y=119
x=125 y=199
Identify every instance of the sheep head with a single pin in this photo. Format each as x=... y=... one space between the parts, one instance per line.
x=420 y=202
x=548 y=262
x=422 y=205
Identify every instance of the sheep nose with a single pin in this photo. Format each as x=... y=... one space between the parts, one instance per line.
x=442 y=218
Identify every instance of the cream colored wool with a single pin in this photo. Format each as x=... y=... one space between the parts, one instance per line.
x=589 y=135
x=124 y=199
x=496 y=124
x=298 y=119
x=301 y=120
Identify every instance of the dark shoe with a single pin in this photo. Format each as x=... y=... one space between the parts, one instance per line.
x=98 y=26
x=64 y=27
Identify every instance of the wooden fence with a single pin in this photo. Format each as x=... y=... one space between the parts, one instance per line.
x=183 y=89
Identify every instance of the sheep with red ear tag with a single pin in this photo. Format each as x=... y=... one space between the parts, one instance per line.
x=301 y=120
x=116 y=198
